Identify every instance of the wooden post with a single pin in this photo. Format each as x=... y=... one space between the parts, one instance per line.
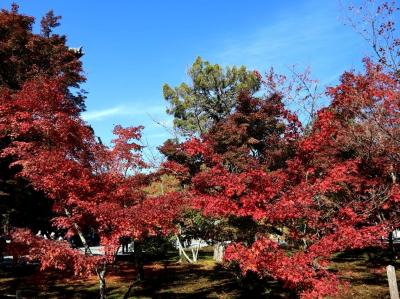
x=391 y=273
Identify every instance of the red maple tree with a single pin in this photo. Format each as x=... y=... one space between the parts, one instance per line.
x=91 y=185
x=309 y=195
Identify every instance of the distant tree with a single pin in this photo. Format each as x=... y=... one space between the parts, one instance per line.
x=210 y=97
x=162 y=184
x=48 y=23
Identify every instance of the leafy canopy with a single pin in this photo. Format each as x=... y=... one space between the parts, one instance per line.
x=210 y=97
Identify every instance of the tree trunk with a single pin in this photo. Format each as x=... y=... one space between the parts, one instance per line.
x=219 y=250
x=180 y=254
x=139 y=260
x=195 y=252
x=392 y=249
x=134 y=280
x=182 y=251
x=128 y=292
x=102 y=281
x=101 y=274
x=80 y=234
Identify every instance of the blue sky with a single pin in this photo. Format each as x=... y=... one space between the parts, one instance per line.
x=134 y=47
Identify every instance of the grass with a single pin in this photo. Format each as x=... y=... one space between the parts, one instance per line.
x=365 y=270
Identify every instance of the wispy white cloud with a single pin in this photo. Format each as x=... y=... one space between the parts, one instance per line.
x=306 y=37
x=122 y=110
x=101 y=114
x=274 y=45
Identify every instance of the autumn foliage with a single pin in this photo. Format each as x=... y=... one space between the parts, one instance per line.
x=324 y=192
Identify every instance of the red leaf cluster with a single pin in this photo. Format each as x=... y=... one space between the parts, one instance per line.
x=332 y=189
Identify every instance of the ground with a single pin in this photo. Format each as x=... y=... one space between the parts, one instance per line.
x=169 y=279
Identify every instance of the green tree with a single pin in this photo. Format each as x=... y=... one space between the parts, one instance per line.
x=211 y=96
